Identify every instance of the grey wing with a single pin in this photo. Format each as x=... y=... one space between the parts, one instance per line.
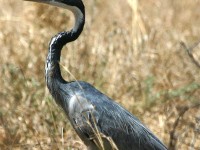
x=84 y=118
x=91 y=114
x=81 y=114
x=126 y=130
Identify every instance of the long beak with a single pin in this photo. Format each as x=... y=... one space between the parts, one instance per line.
x=40 y=1
x=50 y=2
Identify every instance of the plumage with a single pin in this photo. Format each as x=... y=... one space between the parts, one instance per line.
x=96 y=118
x=111 y=119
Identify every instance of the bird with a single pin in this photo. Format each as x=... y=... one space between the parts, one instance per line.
x=100 y=122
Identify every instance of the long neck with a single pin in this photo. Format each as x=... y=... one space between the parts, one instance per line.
x=53 y=74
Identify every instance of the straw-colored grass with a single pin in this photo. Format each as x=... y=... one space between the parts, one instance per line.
x=130 y=51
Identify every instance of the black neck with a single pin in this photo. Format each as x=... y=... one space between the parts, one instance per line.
x=53 y=73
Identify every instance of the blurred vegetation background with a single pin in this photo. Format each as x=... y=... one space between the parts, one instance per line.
x=130 y=50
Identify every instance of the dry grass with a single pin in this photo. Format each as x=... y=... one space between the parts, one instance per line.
x=148 y=71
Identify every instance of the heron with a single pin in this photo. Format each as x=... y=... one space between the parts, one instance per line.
x=99 y=121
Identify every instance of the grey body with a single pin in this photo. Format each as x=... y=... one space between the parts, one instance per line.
x=100 y=122
x=86 y=103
